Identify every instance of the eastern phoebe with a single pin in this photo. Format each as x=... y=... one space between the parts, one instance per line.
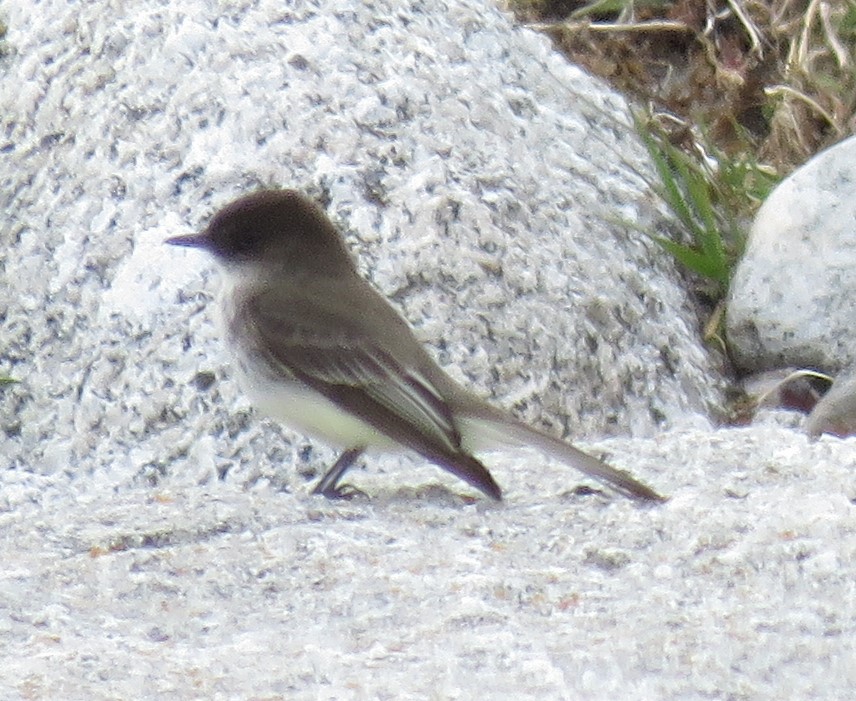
x=318 y=348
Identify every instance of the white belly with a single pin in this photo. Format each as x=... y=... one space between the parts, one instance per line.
x=310 y=413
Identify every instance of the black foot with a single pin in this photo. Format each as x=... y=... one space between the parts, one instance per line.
x=329 y=486
x=342 y=491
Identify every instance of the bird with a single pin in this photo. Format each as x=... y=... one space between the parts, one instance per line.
x=318 y=348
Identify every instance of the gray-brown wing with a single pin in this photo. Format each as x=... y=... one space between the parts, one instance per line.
x=338 y=359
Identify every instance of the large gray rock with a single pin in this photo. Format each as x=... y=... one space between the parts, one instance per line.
x=479 y=176
x=791 y=300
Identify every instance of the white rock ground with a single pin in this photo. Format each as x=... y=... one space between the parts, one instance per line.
x=740 y=587
x=491 y=176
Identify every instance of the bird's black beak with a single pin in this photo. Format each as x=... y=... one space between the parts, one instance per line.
x=191 y=240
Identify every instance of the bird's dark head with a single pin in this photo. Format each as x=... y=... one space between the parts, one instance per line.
x=277 y=229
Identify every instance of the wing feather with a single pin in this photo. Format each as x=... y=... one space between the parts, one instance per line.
x=346 y=361
x=352 y=371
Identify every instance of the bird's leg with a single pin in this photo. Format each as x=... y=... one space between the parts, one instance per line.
x=328 y=485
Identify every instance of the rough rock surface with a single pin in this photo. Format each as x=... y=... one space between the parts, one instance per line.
x=740 y=587
x=479 y=178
